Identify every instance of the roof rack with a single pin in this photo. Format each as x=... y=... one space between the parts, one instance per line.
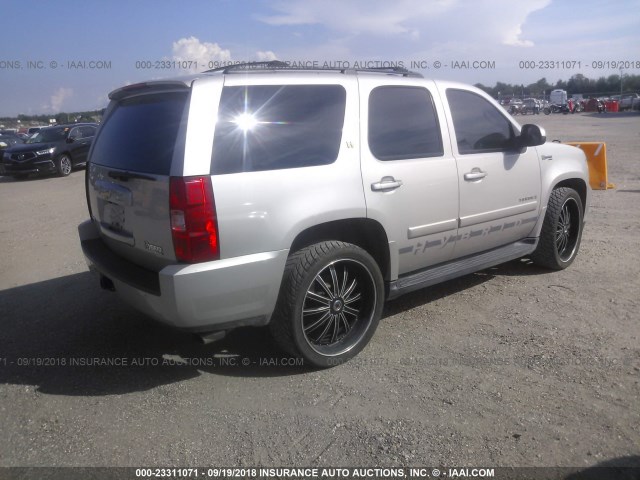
x=279 y=65
x=397 y=70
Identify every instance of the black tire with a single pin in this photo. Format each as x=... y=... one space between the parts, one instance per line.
x=330 y=303
x=561 y=231
x=546 y=110
x=64 y=165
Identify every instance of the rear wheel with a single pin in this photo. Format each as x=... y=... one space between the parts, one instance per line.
x=561 y=231
x=63 y=165
x=330 y=303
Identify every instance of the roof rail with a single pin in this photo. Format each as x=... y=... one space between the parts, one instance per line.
x=279 y=65
x=397 y=70
x=270 y=65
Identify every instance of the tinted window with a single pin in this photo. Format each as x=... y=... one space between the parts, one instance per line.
x=403 y=124
x=88 y=131
x=479 y=126
x=46 y=135
x=267 y=127
x=141 y=133
x=75 y=133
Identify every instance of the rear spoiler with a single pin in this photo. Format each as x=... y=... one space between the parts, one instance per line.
x=145 y=87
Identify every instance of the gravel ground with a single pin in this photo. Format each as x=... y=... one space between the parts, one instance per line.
x=512 y=366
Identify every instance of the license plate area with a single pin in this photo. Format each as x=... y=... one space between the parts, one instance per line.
x=114 y=216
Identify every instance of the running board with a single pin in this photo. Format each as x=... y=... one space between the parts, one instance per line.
x=460 y=267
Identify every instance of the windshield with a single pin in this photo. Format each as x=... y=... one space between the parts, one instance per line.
x=49 y=135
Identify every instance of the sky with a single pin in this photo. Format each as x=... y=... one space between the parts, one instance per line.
x=67 y=55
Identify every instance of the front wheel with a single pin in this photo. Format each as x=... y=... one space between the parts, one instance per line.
x=63 y=165
x=330 y=303
x=561 y=231
x=546 y=110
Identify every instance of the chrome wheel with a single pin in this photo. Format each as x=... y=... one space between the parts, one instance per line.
x=567 y=229
x=561 y=231
x=64 y=165
x=338 y=307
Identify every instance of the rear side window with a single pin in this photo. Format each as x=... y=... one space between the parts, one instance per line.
x=403 y=124
x=140 y=134
x=479 y=125
x=269 y=127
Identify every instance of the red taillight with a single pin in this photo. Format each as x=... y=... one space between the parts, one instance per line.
x=193 y=219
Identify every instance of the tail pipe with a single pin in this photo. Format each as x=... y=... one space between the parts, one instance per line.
x=107 y=284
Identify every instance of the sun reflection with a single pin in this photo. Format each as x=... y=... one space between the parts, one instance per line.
x=246 y=121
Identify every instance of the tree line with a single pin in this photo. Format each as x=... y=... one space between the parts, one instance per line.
x=60 y=118
x=578 y=83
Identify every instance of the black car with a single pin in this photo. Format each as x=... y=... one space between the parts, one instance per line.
x=52 y=150
x=8 y=140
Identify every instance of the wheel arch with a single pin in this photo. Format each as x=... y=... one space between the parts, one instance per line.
x=366 y=233
x=578 y=184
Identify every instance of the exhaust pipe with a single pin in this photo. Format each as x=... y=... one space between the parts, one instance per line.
x=210 y=337
x=107 y=284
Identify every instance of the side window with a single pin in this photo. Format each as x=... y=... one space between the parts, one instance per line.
x=75 y=133
x=479 y=125
x=88 y=132
x=271 y=127
x=403 y=124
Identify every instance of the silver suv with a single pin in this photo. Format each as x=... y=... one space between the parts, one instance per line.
x=303 y=199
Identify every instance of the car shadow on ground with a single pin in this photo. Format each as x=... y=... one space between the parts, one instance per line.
x=620 y=468
x=66 y=336
x=30 y=178
x=611 y=115
x=516 y=268
x=35 y=177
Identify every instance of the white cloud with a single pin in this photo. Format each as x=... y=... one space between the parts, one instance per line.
x=191 y=48
x=265 y=56
x=204 y=53
x=58 y=98
x=494 y=21
x=512 y=37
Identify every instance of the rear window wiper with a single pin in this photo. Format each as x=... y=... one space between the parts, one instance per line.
x=125 y=176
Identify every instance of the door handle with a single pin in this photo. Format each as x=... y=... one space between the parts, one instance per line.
x=387 y=183
x=475 y=174
x=546 y=157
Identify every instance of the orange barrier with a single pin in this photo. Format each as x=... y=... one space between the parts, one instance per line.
x=596 y=153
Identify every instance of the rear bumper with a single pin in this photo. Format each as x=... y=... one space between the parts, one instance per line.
x=203 y=297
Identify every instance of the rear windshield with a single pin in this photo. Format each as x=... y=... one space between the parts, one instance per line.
x=140 y=134
x=269 y=127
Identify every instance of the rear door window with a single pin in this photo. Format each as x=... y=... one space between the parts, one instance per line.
x=270 y=127
x=403 y=124
x=141 y=132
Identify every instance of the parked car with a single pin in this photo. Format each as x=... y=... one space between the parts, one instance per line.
x=531 y=106
x=626 y=101
x=52 y=150
x=8 y=140
x=304 y=199
x=32 y=130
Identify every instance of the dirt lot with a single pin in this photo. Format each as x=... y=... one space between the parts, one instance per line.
x=513 y=366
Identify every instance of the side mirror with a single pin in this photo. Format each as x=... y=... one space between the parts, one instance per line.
x=71 y=139
x=532 y=136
